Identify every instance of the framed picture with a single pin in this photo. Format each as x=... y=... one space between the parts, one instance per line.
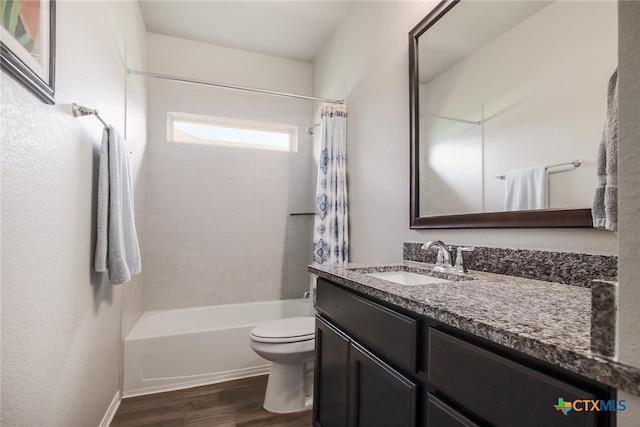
x=27 y=44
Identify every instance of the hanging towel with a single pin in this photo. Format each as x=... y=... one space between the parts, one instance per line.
x=117 y=249
x=526 y=189
x=605 y=201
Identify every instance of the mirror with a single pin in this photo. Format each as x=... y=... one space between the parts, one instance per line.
x=499 y=86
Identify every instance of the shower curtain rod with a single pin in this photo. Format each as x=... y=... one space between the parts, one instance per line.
x=228 y=86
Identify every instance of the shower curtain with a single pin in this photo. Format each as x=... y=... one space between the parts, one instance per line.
x=331 y=228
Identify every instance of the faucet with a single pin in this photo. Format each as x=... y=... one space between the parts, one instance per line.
x=460 y=266
x=443 y=260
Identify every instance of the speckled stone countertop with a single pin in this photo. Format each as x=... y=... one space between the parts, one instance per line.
x=548 y=321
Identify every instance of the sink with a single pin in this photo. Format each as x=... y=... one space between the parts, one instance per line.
x=407 y=278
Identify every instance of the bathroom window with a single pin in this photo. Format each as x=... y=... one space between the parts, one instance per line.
x=200 y=129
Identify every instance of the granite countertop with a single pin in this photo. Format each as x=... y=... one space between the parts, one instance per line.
x=549 y=321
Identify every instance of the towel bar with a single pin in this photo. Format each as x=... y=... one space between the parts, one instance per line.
x=575 y=163
x=80 y=111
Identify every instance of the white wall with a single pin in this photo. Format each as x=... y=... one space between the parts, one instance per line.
x=62 y=324
x=368 y=55
x=219 y=229
x=629 y=199
x=541 y=88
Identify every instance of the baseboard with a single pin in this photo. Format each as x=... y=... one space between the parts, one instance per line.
x=206 y=380
x=111 y=411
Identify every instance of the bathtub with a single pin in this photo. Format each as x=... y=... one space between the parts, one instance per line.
x=187 y=347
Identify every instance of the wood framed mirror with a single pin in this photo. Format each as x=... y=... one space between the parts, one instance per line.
x=498 y=86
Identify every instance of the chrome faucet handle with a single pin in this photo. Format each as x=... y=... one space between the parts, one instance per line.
x=432 y=243
x=460 y=265
x=443 y=260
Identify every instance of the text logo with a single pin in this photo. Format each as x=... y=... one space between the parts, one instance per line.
x=563 y=406
x=585 y=405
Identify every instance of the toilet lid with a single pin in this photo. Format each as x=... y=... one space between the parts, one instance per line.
x=291 y=329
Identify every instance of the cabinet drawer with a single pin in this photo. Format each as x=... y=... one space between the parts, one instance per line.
x=440 y=414
x=391 y=334
x=498 y=390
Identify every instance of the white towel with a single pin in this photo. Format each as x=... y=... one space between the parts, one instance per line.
x=117 y=247
x=526 y=189
x=604 y=210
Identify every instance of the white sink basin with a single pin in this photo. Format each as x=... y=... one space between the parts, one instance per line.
x=407 y=278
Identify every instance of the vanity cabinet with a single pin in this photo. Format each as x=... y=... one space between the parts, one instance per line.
x=353 y=385
x=380 y=366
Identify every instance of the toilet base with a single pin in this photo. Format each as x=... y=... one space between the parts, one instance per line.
x=289 y=388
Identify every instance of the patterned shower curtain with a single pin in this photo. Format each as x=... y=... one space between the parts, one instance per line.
x=331 y=226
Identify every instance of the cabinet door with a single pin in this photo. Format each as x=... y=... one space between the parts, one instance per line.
x=331 y=376
x=440 y=414
x=379 y=395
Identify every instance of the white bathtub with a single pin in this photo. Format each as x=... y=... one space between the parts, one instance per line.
x=187 y=347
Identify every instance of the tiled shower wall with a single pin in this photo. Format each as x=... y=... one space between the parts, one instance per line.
x=219 y=225
x=220 y=228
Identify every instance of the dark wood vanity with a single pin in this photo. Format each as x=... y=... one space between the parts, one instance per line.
x=378 y=364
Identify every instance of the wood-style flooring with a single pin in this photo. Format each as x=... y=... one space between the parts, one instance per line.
x=230 y=404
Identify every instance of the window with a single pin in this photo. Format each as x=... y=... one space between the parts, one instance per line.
x=199 y=129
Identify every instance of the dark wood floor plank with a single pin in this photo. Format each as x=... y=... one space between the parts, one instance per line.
x=235 y=403
x=149 y=419
x=285 y=420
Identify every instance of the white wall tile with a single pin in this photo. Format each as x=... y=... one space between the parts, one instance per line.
x=302 y=196
x=161 y=158
x=196 y=195
x=273 y=164
x=233 y=232
x=270 y=231
x=197 y=296
x=162 y=192
x=197 y=160
x=159 y=299
x=233 y=270
x=196 y=233
x=161 y=233
x=271 y=197
x=270 y=265
x=228 y=203
x=235 y=196
x=236 y=163
x=160 y=280
x=196 y=270
x=303 y=165
x=161 y=270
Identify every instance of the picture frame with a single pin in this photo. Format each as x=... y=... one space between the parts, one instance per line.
x=27 y=44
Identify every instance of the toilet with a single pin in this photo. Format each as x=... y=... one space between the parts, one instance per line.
x=290 y=345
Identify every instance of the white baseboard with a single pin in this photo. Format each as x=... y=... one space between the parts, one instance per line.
x=182 y=383
x=111 y=411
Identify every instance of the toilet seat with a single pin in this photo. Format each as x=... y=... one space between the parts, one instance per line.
x=288 y=330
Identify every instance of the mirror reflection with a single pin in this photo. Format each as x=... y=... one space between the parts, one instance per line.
x=505 y=86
